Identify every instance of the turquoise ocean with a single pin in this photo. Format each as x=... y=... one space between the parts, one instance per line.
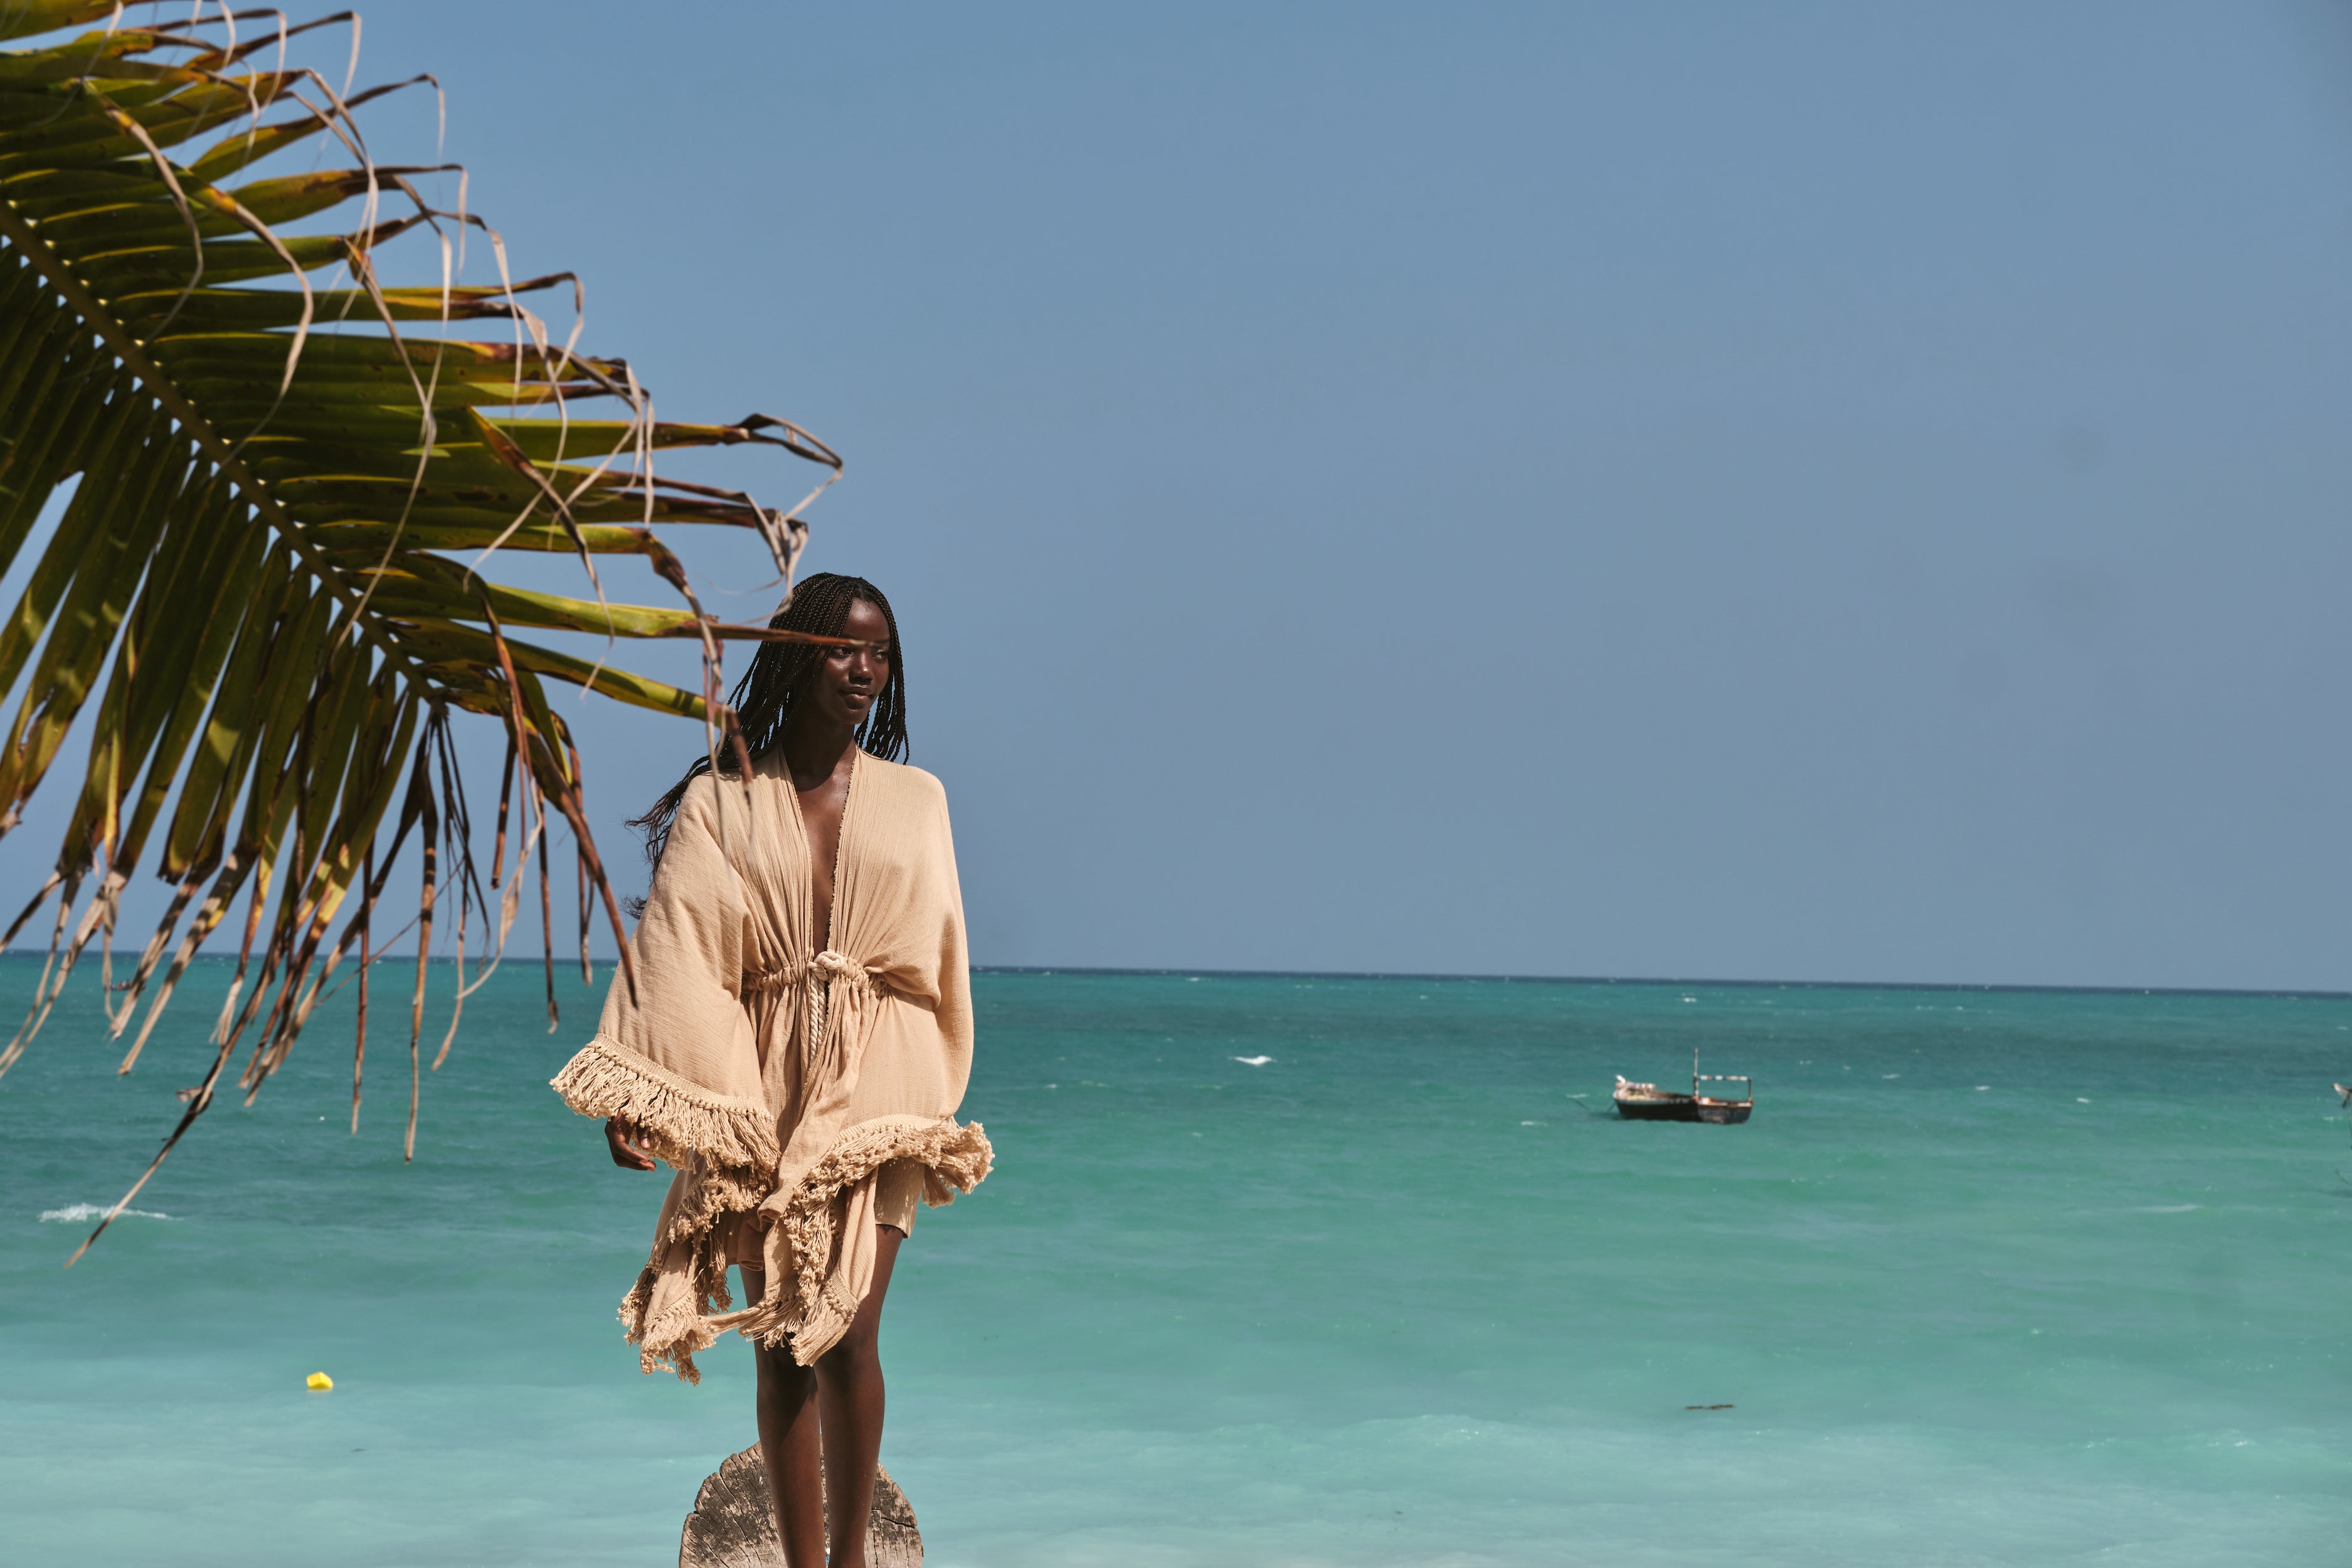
x=1992 y=1277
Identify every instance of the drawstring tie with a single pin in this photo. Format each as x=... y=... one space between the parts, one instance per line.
x=826 y=970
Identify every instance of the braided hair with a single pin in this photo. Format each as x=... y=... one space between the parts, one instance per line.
x=769 y=692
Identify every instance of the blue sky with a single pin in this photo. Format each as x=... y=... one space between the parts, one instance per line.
x=1821 y=491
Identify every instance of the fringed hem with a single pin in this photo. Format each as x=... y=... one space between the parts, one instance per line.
x=670 y=1341
x=607 y=1078
x=725 y=1148
x=712 y=1194
x=809 y=1310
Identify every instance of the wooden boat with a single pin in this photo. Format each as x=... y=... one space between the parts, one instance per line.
x=1648 y=1102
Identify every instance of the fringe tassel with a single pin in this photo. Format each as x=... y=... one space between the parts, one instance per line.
x=671 y=1342
x=807 y=1306
x=679 y=1121
x=808 y=1310
x=712 y=1194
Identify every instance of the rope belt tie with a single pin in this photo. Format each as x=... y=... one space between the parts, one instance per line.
x=826 y=970
x=841 y=966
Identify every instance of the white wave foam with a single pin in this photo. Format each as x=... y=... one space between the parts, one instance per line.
x=82 y=1213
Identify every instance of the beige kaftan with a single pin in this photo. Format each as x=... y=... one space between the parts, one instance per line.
x=780 y=1085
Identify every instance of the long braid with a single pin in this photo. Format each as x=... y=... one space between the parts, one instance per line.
x=769 y=692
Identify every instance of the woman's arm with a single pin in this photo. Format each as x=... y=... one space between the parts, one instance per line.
x=675 y=1063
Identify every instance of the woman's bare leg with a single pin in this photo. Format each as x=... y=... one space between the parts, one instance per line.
x=789 y=1447
x=849 y=1391
x=845 y=1389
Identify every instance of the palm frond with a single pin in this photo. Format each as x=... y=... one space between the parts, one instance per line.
x=270 y=575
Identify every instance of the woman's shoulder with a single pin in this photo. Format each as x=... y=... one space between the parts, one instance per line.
x=702 y=801
x=903 y=781
x=699 y=789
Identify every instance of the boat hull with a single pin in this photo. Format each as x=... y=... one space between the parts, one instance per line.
x=1684 y=1108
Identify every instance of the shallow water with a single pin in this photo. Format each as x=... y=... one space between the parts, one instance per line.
x=1992 y=1277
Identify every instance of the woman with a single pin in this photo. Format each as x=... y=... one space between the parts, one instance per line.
x=795 y=1044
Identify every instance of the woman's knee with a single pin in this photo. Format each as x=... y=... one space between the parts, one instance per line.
x=777 y=1366
x=856 y=1349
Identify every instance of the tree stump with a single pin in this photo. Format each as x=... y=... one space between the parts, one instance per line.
x=733 y=1524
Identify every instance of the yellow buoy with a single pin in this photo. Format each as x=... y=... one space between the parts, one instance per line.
x=318 y=1380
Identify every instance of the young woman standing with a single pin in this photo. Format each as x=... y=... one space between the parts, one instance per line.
x=796 y=1045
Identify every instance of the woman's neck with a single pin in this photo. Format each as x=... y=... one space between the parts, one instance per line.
x=815 y=747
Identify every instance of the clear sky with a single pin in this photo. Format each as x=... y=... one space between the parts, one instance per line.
x=1813 y=491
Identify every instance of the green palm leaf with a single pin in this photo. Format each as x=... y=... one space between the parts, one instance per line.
x=269 y=575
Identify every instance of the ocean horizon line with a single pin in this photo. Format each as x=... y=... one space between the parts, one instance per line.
x=572 y=961
x=1426 y=976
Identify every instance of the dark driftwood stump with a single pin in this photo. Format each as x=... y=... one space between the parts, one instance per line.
x=733 y=1524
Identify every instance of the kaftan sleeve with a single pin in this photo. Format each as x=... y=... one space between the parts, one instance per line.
x=679 y=1057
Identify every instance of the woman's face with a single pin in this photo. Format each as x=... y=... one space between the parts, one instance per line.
x=848 y=679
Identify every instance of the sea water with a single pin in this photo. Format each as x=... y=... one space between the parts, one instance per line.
x=1991 y=1278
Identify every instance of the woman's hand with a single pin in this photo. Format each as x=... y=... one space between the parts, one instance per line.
x=621 y=1137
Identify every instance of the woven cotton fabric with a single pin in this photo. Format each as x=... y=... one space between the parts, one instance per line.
x=777 y=1068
